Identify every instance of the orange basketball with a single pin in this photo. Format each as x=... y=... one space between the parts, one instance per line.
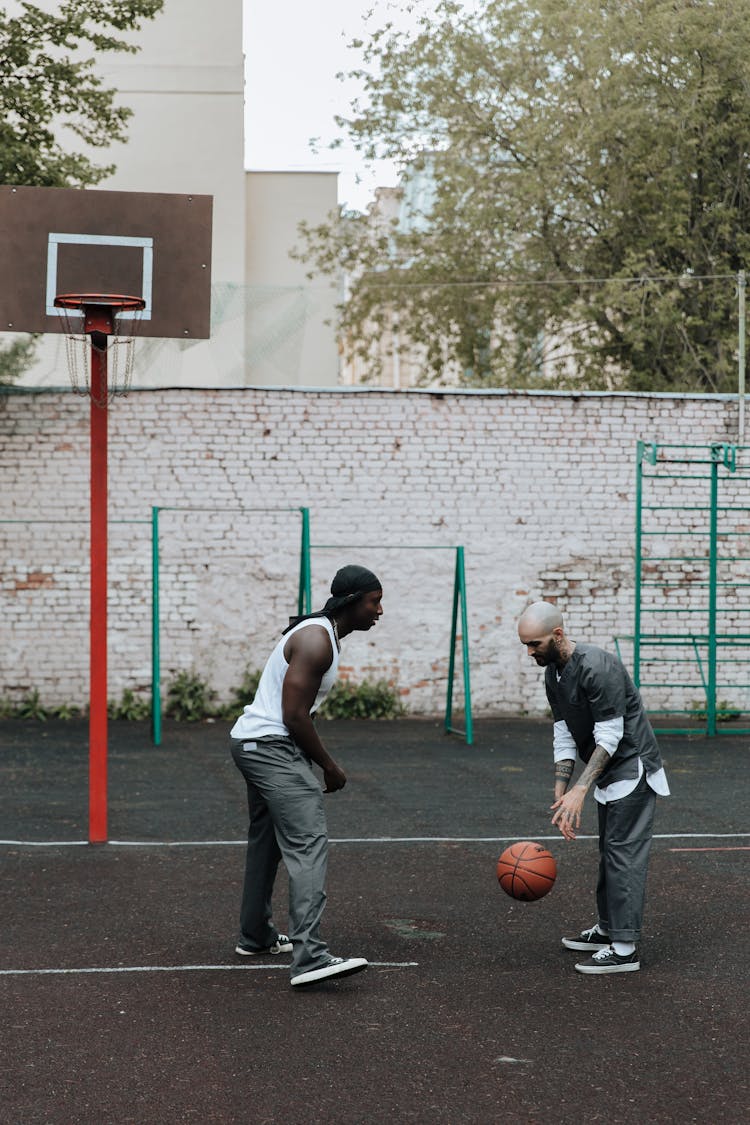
x=526 y=871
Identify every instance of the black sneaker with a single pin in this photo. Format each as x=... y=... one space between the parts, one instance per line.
x=336 y=967
x=281 y=945
x=607 y=961
x=588 y=939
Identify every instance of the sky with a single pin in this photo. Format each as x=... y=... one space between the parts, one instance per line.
x=293 y=51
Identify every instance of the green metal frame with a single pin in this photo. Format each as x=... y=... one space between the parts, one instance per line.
x=459 y=598
x=304 y=593
x=714 y=465
x=459 y=605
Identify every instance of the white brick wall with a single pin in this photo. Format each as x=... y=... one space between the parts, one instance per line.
x=539 y=488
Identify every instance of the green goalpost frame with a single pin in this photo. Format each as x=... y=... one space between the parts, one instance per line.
x=304 y=592
x=459 y=598
x=459 y=606
x=305 y=604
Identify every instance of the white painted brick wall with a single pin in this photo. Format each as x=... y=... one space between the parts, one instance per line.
x=538 y=488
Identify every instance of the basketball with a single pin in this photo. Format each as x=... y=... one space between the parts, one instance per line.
x=526 y=871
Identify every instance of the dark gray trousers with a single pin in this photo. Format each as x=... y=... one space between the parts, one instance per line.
x=287 y=822
x=625 y=834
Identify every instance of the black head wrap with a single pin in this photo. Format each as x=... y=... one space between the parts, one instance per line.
x=349 y=584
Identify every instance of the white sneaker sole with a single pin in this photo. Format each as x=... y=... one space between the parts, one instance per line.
x=596 y=970
x=263 y=952
x=570 y=943
x=326 y=972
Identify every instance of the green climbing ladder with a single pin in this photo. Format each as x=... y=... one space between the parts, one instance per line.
x=691 y=637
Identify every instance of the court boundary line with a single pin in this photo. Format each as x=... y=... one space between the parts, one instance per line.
x=353 y=840
x=182 y=969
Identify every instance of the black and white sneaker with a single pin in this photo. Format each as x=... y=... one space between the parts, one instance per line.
x=588 y=939
x=281 y=945
x=607 y=961
x=336 y=967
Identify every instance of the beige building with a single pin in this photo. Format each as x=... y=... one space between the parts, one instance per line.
x=185 y=86
x=289 y=334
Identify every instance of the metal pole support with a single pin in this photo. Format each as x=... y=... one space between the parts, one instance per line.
x=459 y=600
x=98 y=603
x=304 y=596
x=741 y=317
x=155 y=641
x=718 y=453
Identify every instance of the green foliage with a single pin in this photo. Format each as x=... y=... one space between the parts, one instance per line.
x=30 y=707
x=725 y=711
x=366 y=700
x=240 y=696
x=65 y=711
x=553 y=152
x=129 y=707
x=48 y=97
x=47 y=92
x=189 y=698
x=16 y=358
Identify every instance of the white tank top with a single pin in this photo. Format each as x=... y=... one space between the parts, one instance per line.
x=263 y=716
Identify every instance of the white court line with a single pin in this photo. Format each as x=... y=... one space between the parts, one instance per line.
x=182 y=969
x=354 y=840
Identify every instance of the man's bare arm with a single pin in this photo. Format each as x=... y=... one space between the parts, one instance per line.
x=309 y=656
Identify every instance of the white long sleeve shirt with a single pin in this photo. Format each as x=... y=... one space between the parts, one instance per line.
x=607 y=734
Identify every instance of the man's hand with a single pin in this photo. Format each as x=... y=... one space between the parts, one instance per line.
x=568 y=807
x=334 y=778
x=568 y=811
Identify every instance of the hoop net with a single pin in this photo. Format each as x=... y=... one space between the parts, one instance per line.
x=121 y=315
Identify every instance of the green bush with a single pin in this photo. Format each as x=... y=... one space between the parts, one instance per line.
x=129 y=707
x=66 y=711
x=31 y=708
x=725 y=711
x=240 y=696
x=366 y=700
x=189 y=698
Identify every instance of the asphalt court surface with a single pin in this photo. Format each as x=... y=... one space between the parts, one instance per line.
x=471 y=1011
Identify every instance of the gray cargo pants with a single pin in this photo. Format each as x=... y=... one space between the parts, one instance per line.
x=625 y=834
x=287 y=821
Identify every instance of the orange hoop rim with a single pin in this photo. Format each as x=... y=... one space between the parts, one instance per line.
x=118 y=302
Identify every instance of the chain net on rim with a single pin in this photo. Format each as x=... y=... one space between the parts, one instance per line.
x=119 y=346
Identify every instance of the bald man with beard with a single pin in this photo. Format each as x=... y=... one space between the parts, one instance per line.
x=599 y=717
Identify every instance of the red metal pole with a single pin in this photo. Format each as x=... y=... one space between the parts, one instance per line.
x=98 y=624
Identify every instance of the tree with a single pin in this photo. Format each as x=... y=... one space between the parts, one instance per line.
x=16 y=358
x=46 y=92
x=572 y=148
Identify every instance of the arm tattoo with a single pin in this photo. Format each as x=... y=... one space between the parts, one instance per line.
x=596 y=766
x=564 y=770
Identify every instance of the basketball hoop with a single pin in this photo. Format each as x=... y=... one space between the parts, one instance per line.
x=100 y=326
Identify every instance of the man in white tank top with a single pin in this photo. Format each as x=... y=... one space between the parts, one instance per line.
x=274 y=745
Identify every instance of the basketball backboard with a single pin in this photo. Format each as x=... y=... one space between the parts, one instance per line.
x=144 y=244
